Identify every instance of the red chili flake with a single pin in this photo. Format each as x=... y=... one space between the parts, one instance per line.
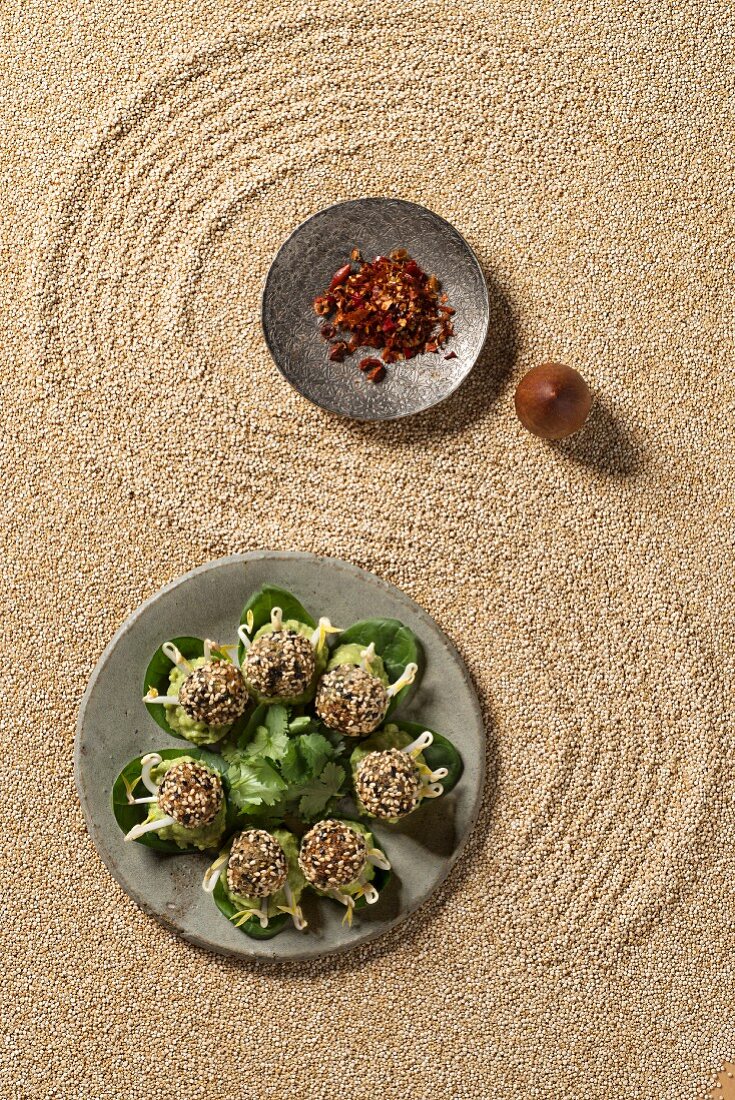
x=377 y=374
x=355 y=254
x=388 y=304
x=338 y=351
x=369 y=363
x=452 y=355
x=327 y=330
x=324 y=304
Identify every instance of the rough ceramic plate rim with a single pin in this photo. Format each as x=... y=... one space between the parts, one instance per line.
x=367 y=199
x=365 y=934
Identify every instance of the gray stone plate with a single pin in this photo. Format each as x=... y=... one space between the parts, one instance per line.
x=114 y=726
x=303 y=268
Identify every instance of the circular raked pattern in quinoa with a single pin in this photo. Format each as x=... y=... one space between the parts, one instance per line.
x=257 y=865
x=332 y=855
x=388 y=783
x=280 y=664
x=191 y=794
x=215 y=693
x=351 y=700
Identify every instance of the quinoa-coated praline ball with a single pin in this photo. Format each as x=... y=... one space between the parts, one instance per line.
x=280 y=664
x=351 y=700
x=257 y=865
x=332 y=854
x=215 y=693
x=388 y=783
x=191 y=794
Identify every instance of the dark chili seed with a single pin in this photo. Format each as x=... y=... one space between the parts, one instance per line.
x=340 y=276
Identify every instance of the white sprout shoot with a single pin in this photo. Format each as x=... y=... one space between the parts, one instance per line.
x=176 y=657
x=242 y=915
x=431 y=788
x=213 y=872
x=344 y=899
x=164 y=700
x=277 y=618
x=367 y=656
x=319 y=637
x=378 y=859
x=263 y=913
x=438 y=773
x=149 y=827
x=408 y=677
x=422 y=742
x=150 y=760
x=242 y=633
x=226 y=650
x=368 y=891
x=293 y=910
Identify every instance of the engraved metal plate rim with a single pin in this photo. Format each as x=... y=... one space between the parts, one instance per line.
x=366 y=202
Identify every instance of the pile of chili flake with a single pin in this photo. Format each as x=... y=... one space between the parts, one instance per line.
x=389 y=304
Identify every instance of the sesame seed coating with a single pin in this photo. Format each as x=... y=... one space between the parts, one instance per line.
x=388 y=783
x=191 y=794
x=280 y=664
x=332 y=854
x=215 y=693
x=257 y=865
x=351 y=700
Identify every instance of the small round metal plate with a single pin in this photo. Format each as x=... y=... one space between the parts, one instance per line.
x=303 y=268
x=114 y=726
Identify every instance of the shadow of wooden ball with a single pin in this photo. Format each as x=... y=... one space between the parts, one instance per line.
x=604 y=444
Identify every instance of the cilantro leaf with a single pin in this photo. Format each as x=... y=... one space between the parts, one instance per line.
x=276 y=719
x=256 y=719
x=231 y=754
x=319 y=792
x=267 y=743
x=300 y=725
x=254 y=782
x=305 y=757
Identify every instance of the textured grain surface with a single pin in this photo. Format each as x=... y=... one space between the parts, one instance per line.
x=582 y=947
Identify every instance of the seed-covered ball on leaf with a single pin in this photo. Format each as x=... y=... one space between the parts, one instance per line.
x=280 y=664
x=388 y=783
x=257 y=865
x=332 y=855
x=191 y=794
x=216 y=694
x=351 y=700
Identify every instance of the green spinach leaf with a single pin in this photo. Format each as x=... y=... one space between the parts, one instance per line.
x=128 y=815
x=250 y=927
x=262 y=602
x=157 y=673
x=441 y=754
x=395 y=643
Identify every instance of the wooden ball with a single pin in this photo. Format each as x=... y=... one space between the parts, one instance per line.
x=553 y=400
